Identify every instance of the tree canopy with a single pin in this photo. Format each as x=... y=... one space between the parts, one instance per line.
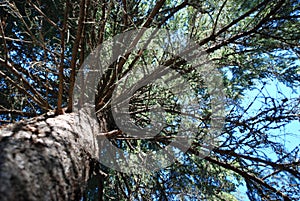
x=250 y=43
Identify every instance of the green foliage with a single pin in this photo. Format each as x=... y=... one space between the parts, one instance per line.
x=249 y=41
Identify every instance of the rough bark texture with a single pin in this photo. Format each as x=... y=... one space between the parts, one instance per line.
x=47 y=158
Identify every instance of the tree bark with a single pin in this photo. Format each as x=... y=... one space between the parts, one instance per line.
x=47 y=157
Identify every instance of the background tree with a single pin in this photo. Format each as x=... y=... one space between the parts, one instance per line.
x=44 y=44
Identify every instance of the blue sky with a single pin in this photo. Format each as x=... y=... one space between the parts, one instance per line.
x=290 y=134
x=278 y=91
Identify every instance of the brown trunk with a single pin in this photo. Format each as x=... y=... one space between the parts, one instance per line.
x=48 y=158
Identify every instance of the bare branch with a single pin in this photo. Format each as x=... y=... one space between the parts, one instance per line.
x=74 y=54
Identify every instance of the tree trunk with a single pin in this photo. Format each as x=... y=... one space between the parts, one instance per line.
x=48 y=157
